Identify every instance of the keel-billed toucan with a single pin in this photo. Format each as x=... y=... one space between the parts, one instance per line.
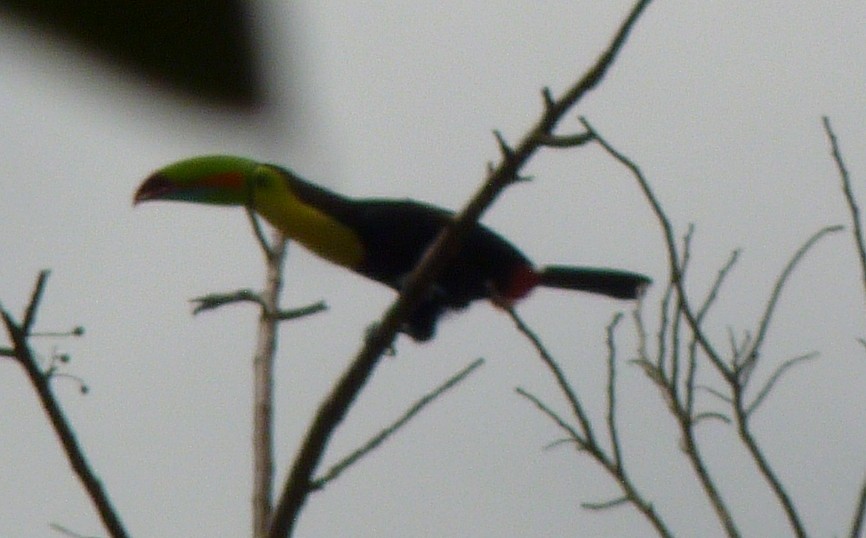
x=380 y=239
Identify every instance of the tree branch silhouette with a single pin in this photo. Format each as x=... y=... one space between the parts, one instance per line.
x=41 y=381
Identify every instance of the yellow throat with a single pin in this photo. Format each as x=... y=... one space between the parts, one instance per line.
x=306 y=224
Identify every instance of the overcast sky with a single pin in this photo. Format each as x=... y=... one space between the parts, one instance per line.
x=719 y=102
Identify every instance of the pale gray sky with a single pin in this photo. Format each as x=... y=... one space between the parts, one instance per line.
x=719 y=102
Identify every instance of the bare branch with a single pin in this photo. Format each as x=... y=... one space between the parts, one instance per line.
x=653 y=373
x=565 y=141
x=604 y=505
x=764 y=467
x=40 y=381
x=700 y=417
x=302 y=311
x=383 y=435
x=506 y=150
x=75 y=331
x=676 y=328
x=780 y=371
x=561 y=381
x=263 y=381
x=585 y=441
x=547 y=96
x=723 y=397
x=682 y=411
x=270 y=250
x=611 y=393
x=72 y=534
x=670 y=242
x=35 y=299
x=212 y=301
x=554 y=416
x=717 y=285
x=764 y=324
x=853 y=209
x=559 y=442
x=664 y=326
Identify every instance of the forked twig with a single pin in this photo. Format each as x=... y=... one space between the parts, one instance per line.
x=19 y=333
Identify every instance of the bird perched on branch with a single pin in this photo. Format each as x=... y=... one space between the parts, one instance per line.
x=380 y=239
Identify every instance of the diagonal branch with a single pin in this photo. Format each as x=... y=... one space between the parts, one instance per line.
x=334 y=408
x=74 y=453
x=780 y=371
x=561 y=381
x=554 y=416
x=764 y=325
x=35 y=299
x=849 y=197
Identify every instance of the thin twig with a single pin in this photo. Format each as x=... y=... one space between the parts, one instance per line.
x=693 y=454
x=68 y=532
x=614 y=465
x=664 y=323
x=212 y=301
x=604 y=505
x=74 y=453
x=780 y=371
x=700 y=417
x=215 y=300
x=268 y=249
x=764 y=324
x=717 y=285
x=561 y=381
x=35 y=299
x=853 y=208
x=718 y=394
x=676 y=330
x=554 y=416
x=611 y=392
x=565 y=141
x=301 y=311
x=338 y=468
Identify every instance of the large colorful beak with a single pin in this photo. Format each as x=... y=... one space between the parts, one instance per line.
x=155 y=187
x=222 y=188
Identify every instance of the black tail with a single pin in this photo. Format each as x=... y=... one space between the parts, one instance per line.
x=611 y=282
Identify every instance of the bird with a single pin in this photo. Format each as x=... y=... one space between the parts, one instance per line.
x=381 y=239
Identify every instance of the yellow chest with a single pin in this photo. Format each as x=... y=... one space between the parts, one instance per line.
x=317 y=231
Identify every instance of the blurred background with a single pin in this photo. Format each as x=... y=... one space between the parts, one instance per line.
x=719 y=102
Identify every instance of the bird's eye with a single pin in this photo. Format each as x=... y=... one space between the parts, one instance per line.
x=261 y=180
